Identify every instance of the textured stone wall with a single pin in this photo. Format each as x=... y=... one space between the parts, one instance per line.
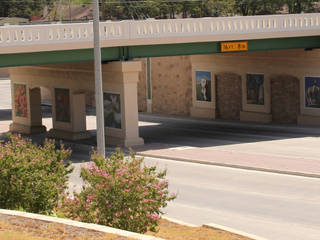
x=171 y=85
x=285 y=104
x=142 y=88
x=4 y=73
x=228 y=92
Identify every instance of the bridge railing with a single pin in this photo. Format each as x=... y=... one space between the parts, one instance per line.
x=148 y=29
x=227 y=25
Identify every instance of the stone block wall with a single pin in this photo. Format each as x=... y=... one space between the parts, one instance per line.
x=228 y=96
x=285 y=99
x=171 y=85
x=4 y=73
x=284 y=72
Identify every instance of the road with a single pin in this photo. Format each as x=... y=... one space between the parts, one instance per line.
x=250 y=138
x=273 y=206
x=269 y=205
x=277 y=148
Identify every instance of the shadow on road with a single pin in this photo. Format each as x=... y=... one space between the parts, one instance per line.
x=205 y=133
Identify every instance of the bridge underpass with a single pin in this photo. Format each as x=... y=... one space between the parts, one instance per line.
x=66 y=46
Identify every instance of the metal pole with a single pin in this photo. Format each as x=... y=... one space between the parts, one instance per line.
x=98 y=81
x=103 y=4
x=60 y=8
x=70 y=11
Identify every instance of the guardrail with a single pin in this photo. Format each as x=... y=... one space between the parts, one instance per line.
x=150 y=29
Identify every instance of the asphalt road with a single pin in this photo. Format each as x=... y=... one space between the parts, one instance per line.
x=273 y=206
x=269 y=205
x=249 y=138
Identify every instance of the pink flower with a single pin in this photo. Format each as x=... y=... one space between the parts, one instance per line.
x=90 y=196
x=105 y=175
x=164 y=182
x=91 y=165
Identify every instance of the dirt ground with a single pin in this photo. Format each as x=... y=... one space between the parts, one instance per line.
x=19 y=228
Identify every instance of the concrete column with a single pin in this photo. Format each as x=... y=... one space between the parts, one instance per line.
x=69 y=114
x=120 y=81
x=26 y=109
x=149 y=85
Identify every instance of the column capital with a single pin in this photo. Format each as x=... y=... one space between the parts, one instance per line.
x=124 y=67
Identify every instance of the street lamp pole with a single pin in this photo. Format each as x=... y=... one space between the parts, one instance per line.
x=98 y=81
x=60 y=11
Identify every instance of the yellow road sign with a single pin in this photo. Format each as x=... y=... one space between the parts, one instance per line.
x=234 y=46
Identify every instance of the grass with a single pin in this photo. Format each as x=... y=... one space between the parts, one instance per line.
x=172 y=231
x=28 y=229
x=36 y=230
x=13 y=20
x=9 y=235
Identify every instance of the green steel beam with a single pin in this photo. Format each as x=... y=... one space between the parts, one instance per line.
x=214 y=47
x=55 y=57
x=174 y=49
x=125 y=53
x=284 y=43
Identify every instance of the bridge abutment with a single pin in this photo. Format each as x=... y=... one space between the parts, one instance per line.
x=26 y=109
x=67 y=85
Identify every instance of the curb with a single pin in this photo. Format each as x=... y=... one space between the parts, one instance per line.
x=179 y=222
x=89 y=226
x=234 y=231
x=292 y=173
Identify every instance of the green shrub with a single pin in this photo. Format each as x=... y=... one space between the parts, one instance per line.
x=119 y=192
x=32 y=178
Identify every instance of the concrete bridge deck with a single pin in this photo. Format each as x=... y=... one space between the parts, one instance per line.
x=55 y=37
x=66 y=43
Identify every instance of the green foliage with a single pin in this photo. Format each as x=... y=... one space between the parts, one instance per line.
x=298 y=6
x=119 y=192
x=32 y=178
x=257 y=7
x=137 y=9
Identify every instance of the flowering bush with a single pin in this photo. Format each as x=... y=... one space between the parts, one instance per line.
x=119 y=192
x=32 y=178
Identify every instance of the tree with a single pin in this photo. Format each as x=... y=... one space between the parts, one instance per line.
x=23 y=8
x=103 y=5
x=258 y=7
x=299 y=6
x=217 y=8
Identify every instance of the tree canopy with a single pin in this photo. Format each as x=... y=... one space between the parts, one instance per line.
x=141 y=9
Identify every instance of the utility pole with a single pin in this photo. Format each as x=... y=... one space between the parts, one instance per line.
x=60 y=8
x=103 y=5
x=70 y=14
x=98 y=80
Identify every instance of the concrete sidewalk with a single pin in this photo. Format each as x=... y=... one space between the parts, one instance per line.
x=260 y=162
x=275 y=148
